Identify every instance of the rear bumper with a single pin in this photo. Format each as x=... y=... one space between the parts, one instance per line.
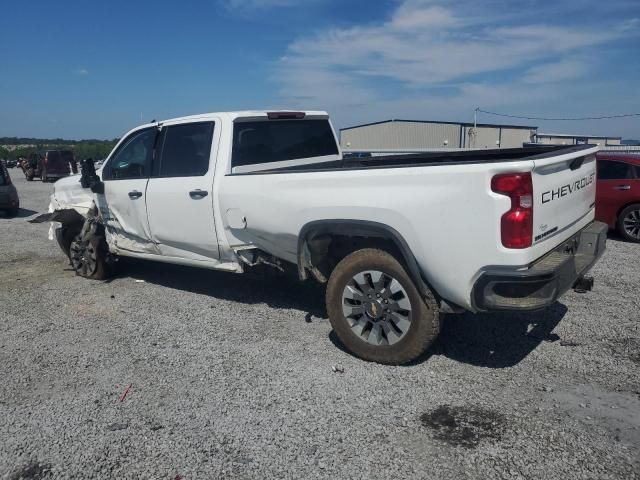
x=546 y=279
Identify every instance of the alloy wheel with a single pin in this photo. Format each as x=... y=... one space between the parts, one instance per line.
x=377 y=307
x=631 y=224
x=83 y=256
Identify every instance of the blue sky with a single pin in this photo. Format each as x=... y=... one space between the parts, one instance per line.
x=78 y=69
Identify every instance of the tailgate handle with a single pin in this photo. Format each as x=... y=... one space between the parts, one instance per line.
x=622 y=187
x=576 y=163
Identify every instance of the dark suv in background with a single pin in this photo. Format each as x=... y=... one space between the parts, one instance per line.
x=56 y=164
x=50 y=165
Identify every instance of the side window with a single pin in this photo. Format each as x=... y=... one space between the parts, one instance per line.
x=133 y=158
x=609 y=170
x=3 y=179
x=185 y=150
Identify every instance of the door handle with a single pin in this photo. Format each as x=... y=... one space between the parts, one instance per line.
x=622 y=187
x=198 y=194
x=135 y=194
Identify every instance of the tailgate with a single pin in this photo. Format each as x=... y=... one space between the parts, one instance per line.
x=564 y=187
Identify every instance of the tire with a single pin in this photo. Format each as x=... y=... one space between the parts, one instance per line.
x=628 y=224
x=399 y=335
x=29 y=178
x=64 y=236
x=89 y=258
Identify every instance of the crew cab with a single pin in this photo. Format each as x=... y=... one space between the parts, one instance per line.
x=399 y=240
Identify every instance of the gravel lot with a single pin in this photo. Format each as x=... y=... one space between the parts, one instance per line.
x=231 y=377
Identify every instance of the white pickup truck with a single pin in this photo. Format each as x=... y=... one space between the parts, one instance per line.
x=398 y=240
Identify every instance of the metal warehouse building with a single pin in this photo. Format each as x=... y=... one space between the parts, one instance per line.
x=419 y=135
x=563 y=139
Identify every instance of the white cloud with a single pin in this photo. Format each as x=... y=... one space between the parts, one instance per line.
x=81 y=71
x=438 y=59
x=556 y=71
x=631 y=24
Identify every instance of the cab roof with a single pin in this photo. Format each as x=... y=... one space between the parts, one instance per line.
x=236 y=115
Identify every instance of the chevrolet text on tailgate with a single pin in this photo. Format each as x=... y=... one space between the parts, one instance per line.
x=398 y=240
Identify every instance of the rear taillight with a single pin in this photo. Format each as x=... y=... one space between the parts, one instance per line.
x=516 y=226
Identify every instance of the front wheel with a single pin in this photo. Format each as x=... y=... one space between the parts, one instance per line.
x=629 y=223
x=376 y=310
x=89 y=257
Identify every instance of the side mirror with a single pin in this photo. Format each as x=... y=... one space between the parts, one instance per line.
x=89 y=177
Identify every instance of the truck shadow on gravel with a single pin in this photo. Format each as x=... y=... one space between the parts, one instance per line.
x=22 y=213
x=277 y=291
x=495 y=340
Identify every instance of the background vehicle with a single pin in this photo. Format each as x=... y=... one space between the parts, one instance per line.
x=8 y=194
x=397 y=239
x=31 y=166
x=10 y=163
x=50 y=165
x=55 y=164
x=618 y=194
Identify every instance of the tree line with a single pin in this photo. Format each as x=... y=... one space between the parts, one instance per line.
x=96 y=149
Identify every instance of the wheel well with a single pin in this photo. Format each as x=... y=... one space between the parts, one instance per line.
x=322 y=245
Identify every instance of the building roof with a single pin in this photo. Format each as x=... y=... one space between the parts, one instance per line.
x=567 y=135
x=464 y=124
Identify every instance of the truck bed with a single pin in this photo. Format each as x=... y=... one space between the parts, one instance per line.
x=430 y=158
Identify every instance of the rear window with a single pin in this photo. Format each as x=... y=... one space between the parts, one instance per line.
x=279 y=140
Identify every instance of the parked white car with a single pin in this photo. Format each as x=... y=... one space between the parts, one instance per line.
x=398 y=240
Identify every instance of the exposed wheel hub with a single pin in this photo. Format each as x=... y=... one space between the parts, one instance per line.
x=83 y=256
x=374 y=310
x=377 y=307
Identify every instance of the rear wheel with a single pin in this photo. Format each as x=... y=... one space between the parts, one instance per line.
x=376 y=310
x=629 y=223
x=89 y=257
